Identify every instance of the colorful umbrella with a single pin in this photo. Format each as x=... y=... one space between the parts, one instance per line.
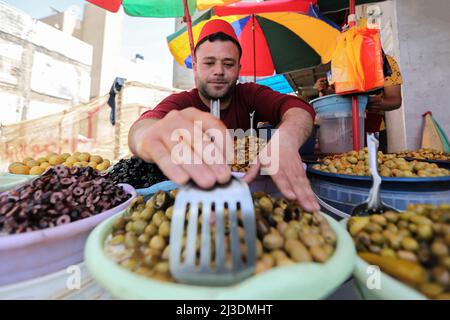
x=272 y=41
x=161 y=9
x=336 y=5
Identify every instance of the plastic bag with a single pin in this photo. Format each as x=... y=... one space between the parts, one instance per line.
x=433 y=137
x=357 y=63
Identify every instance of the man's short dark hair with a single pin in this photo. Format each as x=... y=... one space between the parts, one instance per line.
x=221 y=37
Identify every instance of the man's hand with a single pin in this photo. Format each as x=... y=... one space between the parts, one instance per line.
x=321 y=85
x=290 y=177
x=153 y=141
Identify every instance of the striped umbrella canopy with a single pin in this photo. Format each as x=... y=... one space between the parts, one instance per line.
x=158 y=8
x=276 y=36
x=161 y=9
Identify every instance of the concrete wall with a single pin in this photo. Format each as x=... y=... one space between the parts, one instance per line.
x=424 y=43
x=42 y=70
x=67 y=21
x=103 y=30
x=183 y=78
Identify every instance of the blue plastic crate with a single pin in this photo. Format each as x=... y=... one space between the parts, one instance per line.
x=345 y=197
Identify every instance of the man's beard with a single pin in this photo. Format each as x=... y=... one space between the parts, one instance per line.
x=203 y=88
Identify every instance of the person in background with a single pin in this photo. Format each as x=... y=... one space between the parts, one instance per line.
x=387 y=99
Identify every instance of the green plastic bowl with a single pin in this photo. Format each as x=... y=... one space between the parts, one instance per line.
x=9 y=181
x=389 y=289
x=300 y=281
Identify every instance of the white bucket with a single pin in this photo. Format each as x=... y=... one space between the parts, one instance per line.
x=336 y=132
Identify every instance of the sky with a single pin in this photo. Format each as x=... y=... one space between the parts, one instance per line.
x=146 y=36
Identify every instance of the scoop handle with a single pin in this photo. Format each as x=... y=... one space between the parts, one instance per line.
x=374 y=200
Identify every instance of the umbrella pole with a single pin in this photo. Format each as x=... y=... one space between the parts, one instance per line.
x=254 y=49
x=355 y=109
x=187 y=18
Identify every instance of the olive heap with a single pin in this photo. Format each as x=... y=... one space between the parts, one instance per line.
x=426 y=153
x=136 y=172
x=286 y=235
x=412 y=246
x=78 y=159
x=389 y=165
x=245 y=151
x=60 y=195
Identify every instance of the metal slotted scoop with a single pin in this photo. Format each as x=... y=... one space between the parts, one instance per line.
x=212 y=215
x=214 y=108
x=373 y=204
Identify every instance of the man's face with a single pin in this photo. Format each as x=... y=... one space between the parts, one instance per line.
x=216 y=69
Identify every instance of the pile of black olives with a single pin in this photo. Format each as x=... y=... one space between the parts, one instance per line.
x=136 y=172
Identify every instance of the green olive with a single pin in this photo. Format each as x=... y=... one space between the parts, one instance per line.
x=162 y=267
x=392 y=227
x=282 y=226
x=139 y=226
x=387 y=253
x=407 y=255
x=166 y=253
x=312 y=240
x=129 y=226
x=278 y=254
x=290 y=233
x=119 y=239
x=158 y=218
x=424 y=232
x=297 y=251
x=439 y=248
x=162 y=200
x=391 y=216
x=410 y=244
x=378 y=219
x=377 y=238
x=130 y=264
x=373 y=227
x=266 y=204
x=119 y=224
x=268 y=260
x=143 y=238
x=130 y=240
x=147 y=213
x=431 y=289
x=157 y=242
x=151 y=230
x=273 y=241
x=169 y=212
x=318 y=254
x=164 y=229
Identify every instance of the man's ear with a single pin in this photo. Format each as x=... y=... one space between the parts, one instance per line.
x=194 y=67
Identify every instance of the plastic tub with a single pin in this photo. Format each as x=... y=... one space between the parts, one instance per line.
x=336 y=132
x=299 y=281
x=334 y=113
x=334 y=103
x=390 y=288
x=33 y=254
x=10 y=181
x=345 y=197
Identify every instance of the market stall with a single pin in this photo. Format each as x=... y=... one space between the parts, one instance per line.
x=79 y=225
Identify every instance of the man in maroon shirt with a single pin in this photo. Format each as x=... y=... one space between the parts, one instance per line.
x=216 y=70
